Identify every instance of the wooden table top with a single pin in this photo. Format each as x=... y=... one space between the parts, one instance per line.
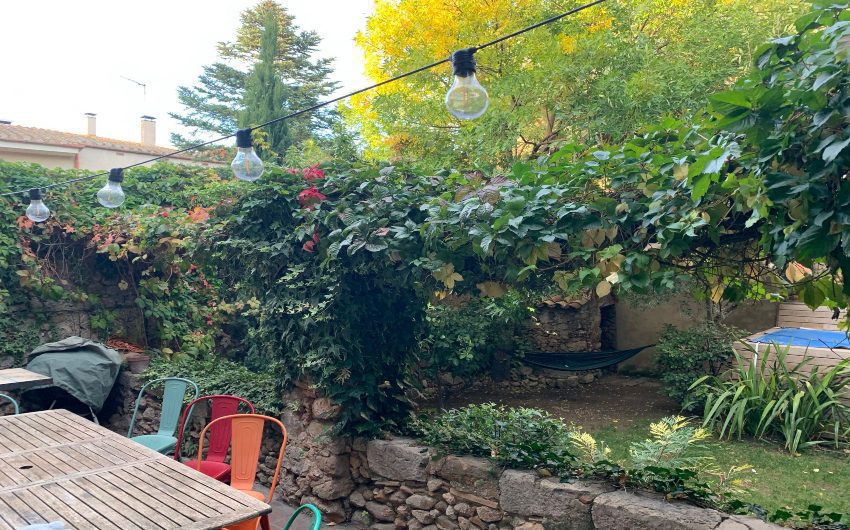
x=55 y=465
x=13 y=378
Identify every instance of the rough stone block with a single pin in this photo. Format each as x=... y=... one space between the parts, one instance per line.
x=381 y=512
x=420 y=502
x=642 y=511
x=398 y=459
x=423 y=516
x=739 y=522
x=488 y=515
x=523 y=493
x=444 y=523
x=469 y=474
x=335 y=488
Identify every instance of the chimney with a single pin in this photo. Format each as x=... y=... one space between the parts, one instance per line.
x=91 y=119
x=148 y=130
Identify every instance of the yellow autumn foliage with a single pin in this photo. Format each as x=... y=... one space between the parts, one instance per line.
x=555 y=83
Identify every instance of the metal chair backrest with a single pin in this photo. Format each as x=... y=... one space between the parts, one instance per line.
x=174 y=392
x=13 y=401
x=317 y=516
x=246 y=441
x=220 y=406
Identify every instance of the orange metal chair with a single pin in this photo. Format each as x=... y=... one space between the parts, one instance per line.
x=214 y=465
x=246 y=442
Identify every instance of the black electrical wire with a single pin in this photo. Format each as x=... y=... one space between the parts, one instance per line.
x=323 y=103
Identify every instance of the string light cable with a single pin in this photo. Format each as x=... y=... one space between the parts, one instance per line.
x=466 y=99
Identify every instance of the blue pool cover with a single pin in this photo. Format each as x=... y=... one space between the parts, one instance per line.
x=813 y=338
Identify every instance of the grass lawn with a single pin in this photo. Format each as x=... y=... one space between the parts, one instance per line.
x=780 y=479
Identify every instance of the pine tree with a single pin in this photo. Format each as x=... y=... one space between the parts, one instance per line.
x=214 y=105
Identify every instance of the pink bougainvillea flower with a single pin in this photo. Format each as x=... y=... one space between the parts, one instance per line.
x=310 y=197
x=313 y=173
x=293 y=171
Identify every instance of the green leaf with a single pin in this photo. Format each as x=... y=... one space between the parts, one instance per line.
x=732 y=97
x=834 y=149
x=700 y=186
x=822 y=79
x=486 y=243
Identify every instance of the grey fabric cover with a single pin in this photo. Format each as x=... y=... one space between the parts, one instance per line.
x=83 y=368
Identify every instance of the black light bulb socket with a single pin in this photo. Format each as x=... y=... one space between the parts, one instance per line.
x=243 y=138
x=463 y=62
x=35 y=194
x=116 y=175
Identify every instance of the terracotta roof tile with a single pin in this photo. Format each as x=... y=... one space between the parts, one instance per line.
x=34 y=135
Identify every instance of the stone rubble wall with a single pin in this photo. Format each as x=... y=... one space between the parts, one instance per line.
x=400 y=484
x=523 y=378
x=565 y=329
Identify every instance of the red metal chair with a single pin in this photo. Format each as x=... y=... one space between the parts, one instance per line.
x=247 y=440
x=214 y=465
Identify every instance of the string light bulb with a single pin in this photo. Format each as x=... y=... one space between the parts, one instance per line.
x=246 y=165
x=37 y=211
x=466 y=99
x=111 y=195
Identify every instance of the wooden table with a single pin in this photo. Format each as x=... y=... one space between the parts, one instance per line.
x=55 y=465
x=14 y=378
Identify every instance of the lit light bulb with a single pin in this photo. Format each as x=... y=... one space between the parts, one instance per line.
x=466 y=99
x=37 y=211
x=111 y=195
x=247 y=165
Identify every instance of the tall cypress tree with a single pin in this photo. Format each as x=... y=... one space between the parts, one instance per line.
x=266 y=95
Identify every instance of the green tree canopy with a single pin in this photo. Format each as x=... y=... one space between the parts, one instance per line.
x=221 y=96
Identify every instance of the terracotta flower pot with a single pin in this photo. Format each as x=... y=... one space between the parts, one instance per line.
x=137 y=362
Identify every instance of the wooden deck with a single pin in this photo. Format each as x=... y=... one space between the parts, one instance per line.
x=55 y=465
x=19 y=378
x=799 y=315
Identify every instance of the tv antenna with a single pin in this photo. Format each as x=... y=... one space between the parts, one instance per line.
x=144 y=89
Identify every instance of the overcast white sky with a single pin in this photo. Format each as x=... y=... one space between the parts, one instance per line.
x=60 y=58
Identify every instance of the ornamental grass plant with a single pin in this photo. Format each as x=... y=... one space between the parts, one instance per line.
x=764 y=397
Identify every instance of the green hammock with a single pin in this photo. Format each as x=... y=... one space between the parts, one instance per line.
x=582 y=360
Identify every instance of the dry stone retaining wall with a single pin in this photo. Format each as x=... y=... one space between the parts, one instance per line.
x=401 y=485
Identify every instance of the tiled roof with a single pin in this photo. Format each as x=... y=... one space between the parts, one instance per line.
x=34 y=135
x=574 y=301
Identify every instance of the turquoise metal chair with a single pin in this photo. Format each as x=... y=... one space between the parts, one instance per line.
x=173 y=394
x=317 y=516
x=13 y=401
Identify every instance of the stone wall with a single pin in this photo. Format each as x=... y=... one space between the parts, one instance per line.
x=401 y=485
x=556 y=329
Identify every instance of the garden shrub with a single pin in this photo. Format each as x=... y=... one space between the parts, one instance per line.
x=528 y=438
x=462 y=338
x=763 y=397
x=687 y=354
x=523 y=438
x=219 y=376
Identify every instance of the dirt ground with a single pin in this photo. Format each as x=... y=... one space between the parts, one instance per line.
x=612 y=401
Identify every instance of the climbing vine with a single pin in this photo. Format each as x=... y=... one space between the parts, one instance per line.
x=325 y=274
